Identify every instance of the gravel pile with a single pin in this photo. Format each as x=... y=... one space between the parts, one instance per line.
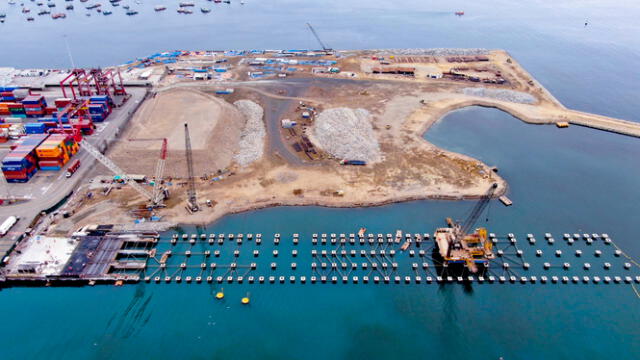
x=436 y=52
x=501 y=94
x=251 y=146
x=347 y=134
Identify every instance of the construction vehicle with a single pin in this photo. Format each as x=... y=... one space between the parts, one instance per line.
x=455 y=245
x=192 y=201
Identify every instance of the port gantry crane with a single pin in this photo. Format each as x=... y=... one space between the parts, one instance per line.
x=192 y=202
x=315 y=34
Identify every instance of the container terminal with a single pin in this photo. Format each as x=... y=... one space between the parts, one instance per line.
x=219 y=132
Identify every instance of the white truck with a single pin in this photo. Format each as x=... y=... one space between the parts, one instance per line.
x=8 y=224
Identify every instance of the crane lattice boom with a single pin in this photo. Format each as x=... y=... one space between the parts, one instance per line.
x=191 y=192
x=113 y=167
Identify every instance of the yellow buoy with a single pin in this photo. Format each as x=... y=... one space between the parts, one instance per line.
x=220 y=294
x=245 y=300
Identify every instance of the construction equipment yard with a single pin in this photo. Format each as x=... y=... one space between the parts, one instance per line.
x=340 y=129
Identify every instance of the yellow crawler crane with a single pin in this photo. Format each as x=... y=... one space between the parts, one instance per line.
x=457 y=246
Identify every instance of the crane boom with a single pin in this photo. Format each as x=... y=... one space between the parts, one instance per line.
x=315 y=34
x=191 y=192
x=158 y=196
x=477 y=210
x=113 y=167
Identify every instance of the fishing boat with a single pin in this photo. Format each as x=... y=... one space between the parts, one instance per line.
x=51 y=5
x=185 y=4
x=160 y=8
x=11 y=2
x=30 y=18
x=3 y=15
x=126 y=7
x=84 y=0
x=115 y=4
x=39 y=3
x=58 y=16
x=25 y=10
x=94 y=6
x=205 y=10
x=226 y=1
x=184 y=11
x=107 y=12
x=459 y=13
x=69 y=7
x=44 y=12
x=217 y=1
x=132 y=12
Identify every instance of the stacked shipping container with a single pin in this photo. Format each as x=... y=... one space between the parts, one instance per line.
x=56 y=151
x=20 y=164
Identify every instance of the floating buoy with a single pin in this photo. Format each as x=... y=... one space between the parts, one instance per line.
x=220 y=295
x=245 y=300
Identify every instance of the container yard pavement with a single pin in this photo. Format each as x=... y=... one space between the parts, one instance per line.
x=45 y=191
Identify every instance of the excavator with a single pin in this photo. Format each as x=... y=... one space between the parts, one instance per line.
x=457 y=246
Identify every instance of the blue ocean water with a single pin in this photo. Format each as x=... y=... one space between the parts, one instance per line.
x=569 y=180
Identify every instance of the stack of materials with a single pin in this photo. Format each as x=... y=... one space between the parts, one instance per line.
x=20 y=164
x=99 y=107
x=61 y=106
x=12 y=109
x=56 y=151
x=35 y=128
x=34 y=105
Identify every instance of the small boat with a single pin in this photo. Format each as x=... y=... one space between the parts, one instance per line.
x=184 y=11
x=59 y=16
x=11 y=2
x=132 y=12
x=94 y=6
x=459 y=13
x=51 y=5
x=226 y=1
x=84 y=0
x=30 y=18
x=115 y=4
x=44 y=12
x=217 y=1
x=138 y=2
x=160 y=8
x=3 y=15
x=25 y=10
x=126 y=7
x=88 y=14
x=69 y=7
x=185 y=4
x=39 y=3
x=362 y=231
x=107 y=12
x=205 y=10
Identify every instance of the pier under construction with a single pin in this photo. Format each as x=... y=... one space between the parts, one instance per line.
x=399 y=258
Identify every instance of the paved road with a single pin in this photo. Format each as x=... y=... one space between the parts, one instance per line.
x=46 y=190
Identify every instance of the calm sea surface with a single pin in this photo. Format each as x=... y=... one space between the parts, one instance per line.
x=571 y=180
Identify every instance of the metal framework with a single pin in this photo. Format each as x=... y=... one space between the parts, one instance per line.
x=158 y=195
x=477 y=210
x=191 y=191
x=81 y=82
x=113 y=167
x=315 y=34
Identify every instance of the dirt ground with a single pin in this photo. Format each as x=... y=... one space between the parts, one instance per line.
x=214 y=130
x=402 y=110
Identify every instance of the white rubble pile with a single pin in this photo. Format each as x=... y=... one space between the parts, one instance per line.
x=347 y=134
x=501 y=94
x=251 y=146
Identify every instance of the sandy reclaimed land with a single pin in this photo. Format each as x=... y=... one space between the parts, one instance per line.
x=214 y=129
